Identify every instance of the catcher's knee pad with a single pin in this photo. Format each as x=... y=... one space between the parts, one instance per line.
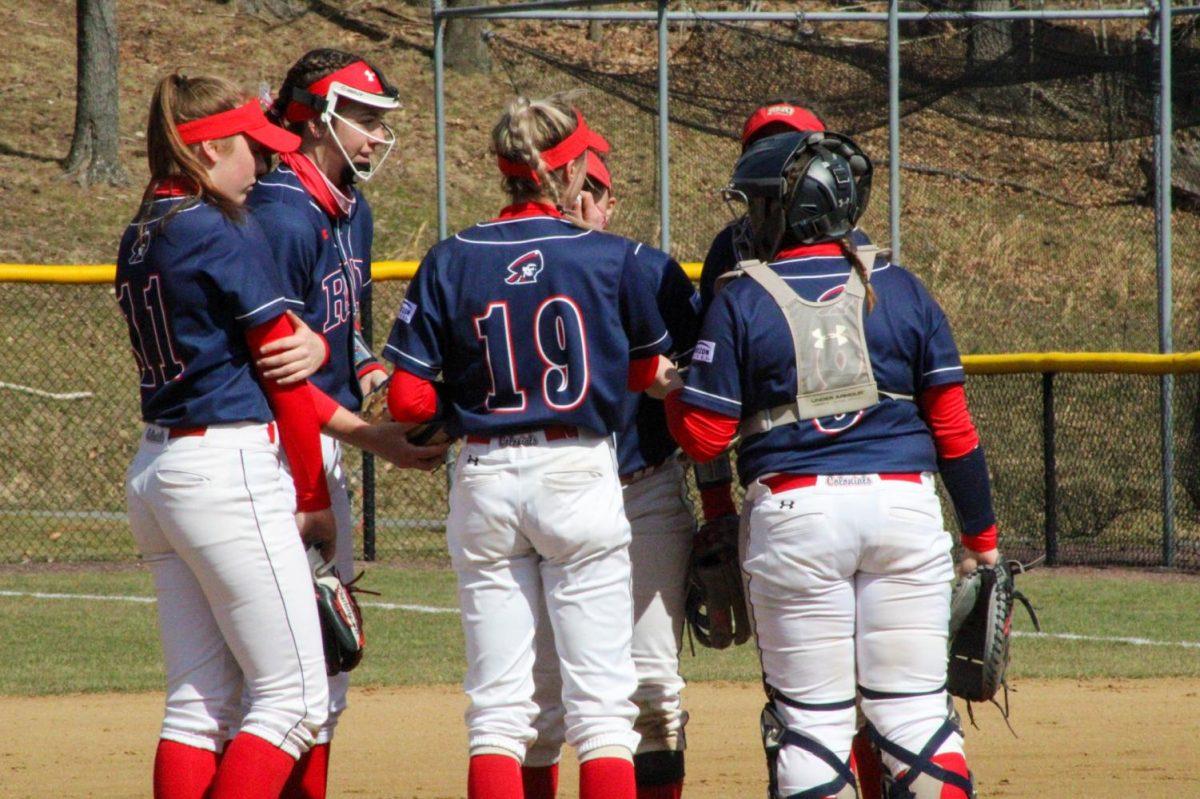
x=930 y=774
x=658 y=768
x=776 y=736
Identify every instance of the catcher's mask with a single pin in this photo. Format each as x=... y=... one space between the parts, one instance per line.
x=359 y=82
x=805 y=187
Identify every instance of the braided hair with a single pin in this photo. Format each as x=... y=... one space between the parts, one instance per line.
x=525 y=129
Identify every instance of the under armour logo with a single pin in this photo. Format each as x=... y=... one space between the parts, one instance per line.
x=369 y=75
x=838 y=335
x=525 y=269
x=787 y=504
x=472 y=460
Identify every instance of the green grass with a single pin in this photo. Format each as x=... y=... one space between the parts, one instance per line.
x=72 y=646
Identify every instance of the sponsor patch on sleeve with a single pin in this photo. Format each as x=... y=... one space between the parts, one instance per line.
x=704 y=351
x=408 y=310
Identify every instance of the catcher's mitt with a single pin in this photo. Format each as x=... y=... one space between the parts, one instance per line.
x=981 y=610
x=716 y=607
x=341 y=619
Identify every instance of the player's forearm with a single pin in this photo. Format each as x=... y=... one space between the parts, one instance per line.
x=298 y=422
x=412 y=399
x=365 y=361
x=702 y=434
x=962 y=463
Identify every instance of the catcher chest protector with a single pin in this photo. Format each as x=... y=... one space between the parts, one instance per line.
x=833 y=366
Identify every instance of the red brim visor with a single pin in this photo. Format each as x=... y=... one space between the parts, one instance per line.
x=247 y=119
x=597 y=170
x=576 y=144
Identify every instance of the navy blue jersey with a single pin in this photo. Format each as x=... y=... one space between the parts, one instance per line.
x=190 y=287
x=326 y=265
x=530 y=322
x=744 y=363
x=643 y=439
x=722 y=257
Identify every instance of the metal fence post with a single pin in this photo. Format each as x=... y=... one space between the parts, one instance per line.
x=1162 y=229
x=1049 y=470
x=368 y=460
x=664 y=131
x=439 y=113
x=894 y=128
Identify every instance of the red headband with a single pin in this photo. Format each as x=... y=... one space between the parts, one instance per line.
x=578 y=142
x=358 y=75
x=248 y=119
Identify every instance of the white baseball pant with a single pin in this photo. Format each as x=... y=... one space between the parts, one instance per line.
x=533 y=520
x=850 y=579
x=662 y=525
x=213 y=517
x=339 y=495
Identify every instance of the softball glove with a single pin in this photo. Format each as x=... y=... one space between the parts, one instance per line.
x=341 y=619
x=716 y=606
x=981 y=610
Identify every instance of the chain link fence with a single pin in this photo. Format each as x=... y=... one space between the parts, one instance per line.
x=1027 y=178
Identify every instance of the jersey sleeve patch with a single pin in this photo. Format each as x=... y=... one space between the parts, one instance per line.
x=704 y=351
x=408 y=309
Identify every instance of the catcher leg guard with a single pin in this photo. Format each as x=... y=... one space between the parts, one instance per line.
x=931 y=773
x=777 y=736
x=659 y=775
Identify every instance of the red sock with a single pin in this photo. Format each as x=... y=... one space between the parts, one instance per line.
x=672 y=790
x=955 y=762
x=182 y=771
x=607 y=778
x=541 y=782
x=310 y=775
x=494 y=777
x=867 y=766
x=251 y=768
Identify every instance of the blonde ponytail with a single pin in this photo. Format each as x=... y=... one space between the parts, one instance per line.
x=525 y=129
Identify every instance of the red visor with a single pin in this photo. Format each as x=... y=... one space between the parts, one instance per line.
x=358 y=75
x=597 y=170
x=248 y=119
x=580 y=140
x=784 y=115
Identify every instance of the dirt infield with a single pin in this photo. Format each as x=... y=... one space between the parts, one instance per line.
x=1103 y=739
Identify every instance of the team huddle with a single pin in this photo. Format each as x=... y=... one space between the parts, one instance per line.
x=576 y=371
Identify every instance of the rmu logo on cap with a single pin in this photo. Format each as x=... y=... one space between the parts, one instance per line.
x=780 y=110
x=525 y=270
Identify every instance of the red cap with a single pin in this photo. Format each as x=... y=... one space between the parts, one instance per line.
x=783 y=114
x=597 y=170
x=248 y=119
x=574 y=145
x=359 y=75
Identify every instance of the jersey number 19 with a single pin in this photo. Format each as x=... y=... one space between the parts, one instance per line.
x=561 y=341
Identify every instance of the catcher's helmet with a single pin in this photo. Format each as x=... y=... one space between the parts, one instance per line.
x=814 y=186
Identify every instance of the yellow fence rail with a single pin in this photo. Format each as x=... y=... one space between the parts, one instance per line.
x=1146 y=363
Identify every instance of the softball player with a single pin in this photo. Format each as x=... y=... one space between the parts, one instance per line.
x=846 y=386
x=320 y=230
x=774 y=117
x=210 y=502
x=662 y=525
x=538 y=327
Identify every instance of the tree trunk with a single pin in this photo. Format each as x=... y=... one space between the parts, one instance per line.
x=466 y=51
x=991 y=40
x=285 y=10
x=94 y=156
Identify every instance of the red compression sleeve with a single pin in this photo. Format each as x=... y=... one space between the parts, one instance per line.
x=325 y=405
x=703 y=434
x=299 y=428
x=411 y=399
x=945 y=411
x=641 y=373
